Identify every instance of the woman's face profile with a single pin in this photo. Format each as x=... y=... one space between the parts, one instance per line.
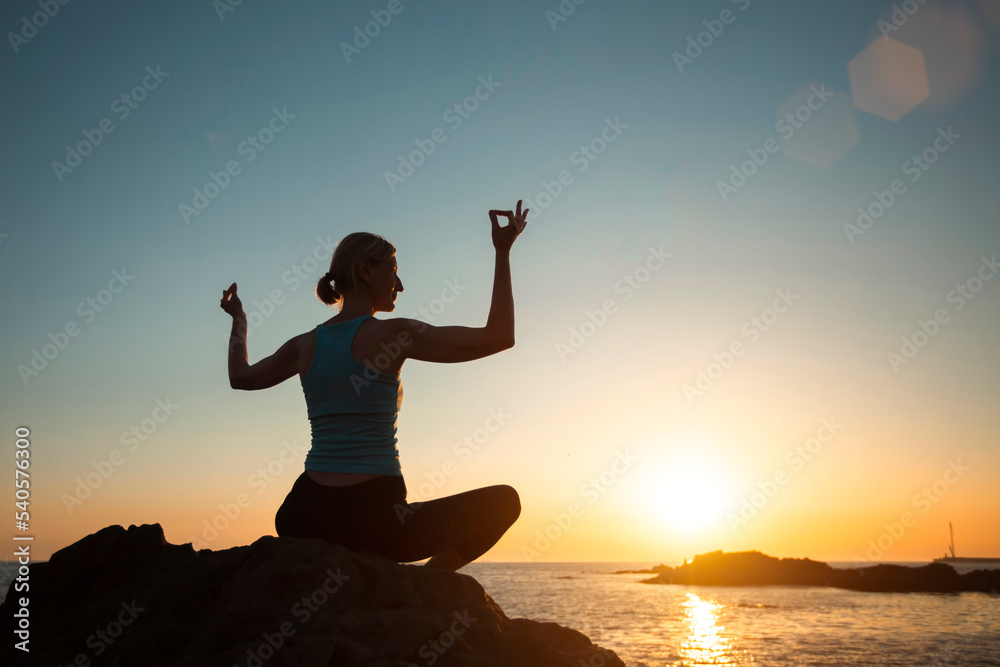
x=388 y=282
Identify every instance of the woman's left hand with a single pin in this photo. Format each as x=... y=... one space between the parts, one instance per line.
x=231 y=302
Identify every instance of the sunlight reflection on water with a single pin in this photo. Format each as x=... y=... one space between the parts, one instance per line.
x=704 y=646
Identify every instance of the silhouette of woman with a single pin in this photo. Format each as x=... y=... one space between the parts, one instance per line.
x=352 y=491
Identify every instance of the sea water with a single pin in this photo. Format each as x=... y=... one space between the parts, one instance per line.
x=655 y=625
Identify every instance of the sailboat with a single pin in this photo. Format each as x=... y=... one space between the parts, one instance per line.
x=957 y=559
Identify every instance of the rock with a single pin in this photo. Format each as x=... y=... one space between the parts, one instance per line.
x=127 y=597
x=752 y=568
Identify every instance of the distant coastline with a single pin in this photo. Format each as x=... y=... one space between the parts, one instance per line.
x=753 y=568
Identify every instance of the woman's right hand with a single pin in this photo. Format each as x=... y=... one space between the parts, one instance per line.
x=231 y=302
x=503 y=237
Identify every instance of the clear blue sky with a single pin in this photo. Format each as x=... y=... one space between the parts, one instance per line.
x=556 y=85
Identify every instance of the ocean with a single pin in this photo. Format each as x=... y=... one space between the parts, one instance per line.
x=656 y=626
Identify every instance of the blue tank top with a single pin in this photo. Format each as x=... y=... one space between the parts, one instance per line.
x=352 y=408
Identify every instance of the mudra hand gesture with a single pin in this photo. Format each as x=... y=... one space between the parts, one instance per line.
x=231 y=302
x=503 y=237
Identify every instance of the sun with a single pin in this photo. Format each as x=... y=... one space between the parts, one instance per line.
x=686 y=488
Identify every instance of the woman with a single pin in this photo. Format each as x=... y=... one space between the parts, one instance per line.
x=352 y=490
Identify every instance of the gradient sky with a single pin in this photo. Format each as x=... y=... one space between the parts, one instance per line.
x=613 y=458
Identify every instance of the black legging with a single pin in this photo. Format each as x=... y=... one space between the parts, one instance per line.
x=374 y=516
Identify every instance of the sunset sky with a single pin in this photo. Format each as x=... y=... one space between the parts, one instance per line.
x=715 y=349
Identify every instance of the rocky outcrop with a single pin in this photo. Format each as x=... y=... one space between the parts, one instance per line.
x=752 y=568
x=127 y=597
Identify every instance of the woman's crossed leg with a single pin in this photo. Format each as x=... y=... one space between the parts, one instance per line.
x=374 y=516
x=454 y=530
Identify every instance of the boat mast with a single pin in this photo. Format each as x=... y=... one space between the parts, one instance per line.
x=951 y=531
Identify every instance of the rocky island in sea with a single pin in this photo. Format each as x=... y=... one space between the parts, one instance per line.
x=753 y=568
x=128 y=597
